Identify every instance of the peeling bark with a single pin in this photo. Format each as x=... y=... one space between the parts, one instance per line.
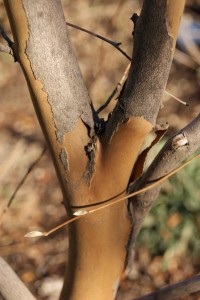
x=53 y=76
x=153 y=51
x=92 y=166
x=63 y=158
x=66 y=108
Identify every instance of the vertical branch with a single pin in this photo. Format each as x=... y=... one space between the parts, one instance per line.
x=140 y=99
x=60 y=98
x=153 y=48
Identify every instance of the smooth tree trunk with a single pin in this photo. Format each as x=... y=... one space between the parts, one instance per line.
x=93 y=166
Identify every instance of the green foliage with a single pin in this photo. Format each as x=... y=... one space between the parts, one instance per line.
x=173 y=224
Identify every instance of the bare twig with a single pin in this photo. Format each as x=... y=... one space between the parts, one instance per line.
x=31 y=167
x=114 y=44
x=6 y=38
x=116 y=90
x=175 y=291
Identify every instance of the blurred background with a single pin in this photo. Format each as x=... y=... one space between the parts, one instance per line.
x=168 y=247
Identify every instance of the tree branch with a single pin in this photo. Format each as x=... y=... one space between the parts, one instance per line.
x=154 y=42
x=139 y=101
x=175 y=291
x=177 y=149
x=62 y=105
x=112 y=43
x=11 y=287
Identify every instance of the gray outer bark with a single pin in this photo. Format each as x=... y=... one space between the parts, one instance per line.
x=142 y=93
x=167 y=159
x=11 y=287
x=67 y=95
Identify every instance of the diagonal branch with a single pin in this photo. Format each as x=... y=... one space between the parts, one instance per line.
x=114 y=44
x=177 y=149
x=11 y=287
x=175 y=291
x=139 y=101
x=6 y=37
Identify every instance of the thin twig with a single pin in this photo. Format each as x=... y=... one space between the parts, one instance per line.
x=175 y=291
x=114 y=44
x=108 y=202
x=176 y=98
x=31 y=167
x=6 y=38
x=7 y=49
x=119 y=85
x=116 y=90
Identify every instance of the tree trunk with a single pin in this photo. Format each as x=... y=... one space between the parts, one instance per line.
x=92 y=167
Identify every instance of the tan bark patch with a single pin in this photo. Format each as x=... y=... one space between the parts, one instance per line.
x=173 y=17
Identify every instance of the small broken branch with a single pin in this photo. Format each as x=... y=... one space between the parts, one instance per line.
x=175 y=291
x=114 y=44
x=176 y=98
